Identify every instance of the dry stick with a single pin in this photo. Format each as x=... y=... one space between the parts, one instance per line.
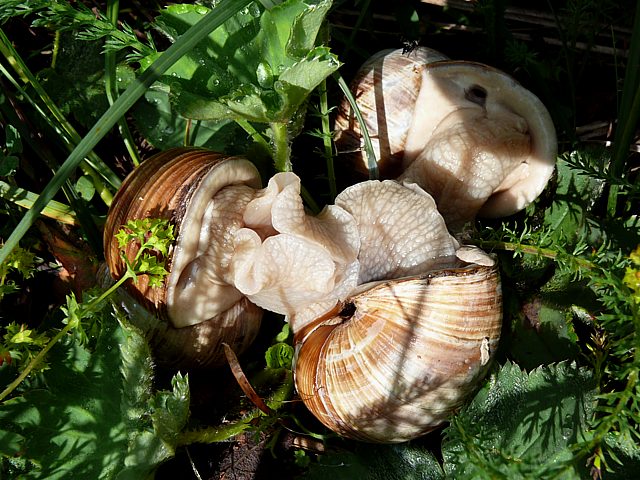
x=242 y=380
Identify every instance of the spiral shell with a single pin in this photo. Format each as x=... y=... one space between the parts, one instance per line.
x=395 y=360
x=179 y=185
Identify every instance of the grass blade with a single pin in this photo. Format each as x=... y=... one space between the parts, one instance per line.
x=184 y=44
x=629 y=114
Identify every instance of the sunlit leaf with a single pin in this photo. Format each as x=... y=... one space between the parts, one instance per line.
x=522 y=425
x=109 y=425
x=377 y=462
x=260 y=66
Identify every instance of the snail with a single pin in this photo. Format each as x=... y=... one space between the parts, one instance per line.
x=394 y=322
x=194 y=312
x=469 y=134
x=403 y=351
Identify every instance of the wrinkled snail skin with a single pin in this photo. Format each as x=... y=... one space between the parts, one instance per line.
x=467 y=133
x=177 y=185
x=396 y=360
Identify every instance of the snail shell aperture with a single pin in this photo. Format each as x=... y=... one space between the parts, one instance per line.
x=395 y=360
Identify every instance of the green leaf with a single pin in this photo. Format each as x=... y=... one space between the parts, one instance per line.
x=8 y=165
x=98 y=418
x=85 y=188
x=260 y=66
x=576 y=194
x=13 y=142
x=377 y=462
x=164 y=128
x=544 y=334
x=279 y=355
x=627 y=453
x=76 y=81
x=522 y=425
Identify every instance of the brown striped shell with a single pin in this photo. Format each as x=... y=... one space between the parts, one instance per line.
x=179 y=185
x=382 y=79
x=396 y=360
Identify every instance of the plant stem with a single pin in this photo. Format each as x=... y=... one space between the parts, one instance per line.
x=24 y=198
x=326 y=140
x=530 y=250
x=68 y=327
x=111 y=88
x=372 y=163
x=63 y=127
x=255 y=135
x=34 y=362
x=222 y=433
x=281 y=147
x=183 y=45
x=629 y=114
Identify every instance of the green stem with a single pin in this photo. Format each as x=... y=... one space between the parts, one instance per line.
x=70 y=325
x=311 y=203
x=372 y=163
x=24 y=198
x=184 y=44
x=111 y=90
x=628 y=115
x=34 y=362
x=528 y=249
x=222 y=433
x=255 y=135
x=63 y=127
x=281 y=146
x=326 y=139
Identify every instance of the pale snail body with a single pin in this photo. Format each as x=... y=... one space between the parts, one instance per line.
x=392 y=331
x=467 y=133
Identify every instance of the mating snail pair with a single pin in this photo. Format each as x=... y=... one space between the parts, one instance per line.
x=394 y=323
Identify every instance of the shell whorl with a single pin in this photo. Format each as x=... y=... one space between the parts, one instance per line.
x=394 y=361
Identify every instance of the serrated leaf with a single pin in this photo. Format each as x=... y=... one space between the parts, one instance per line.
x=543 y=335
x=377 y=462
x=259 y=66
x=76 y=81
x=98 y=417
x=627 y=452
x=522 y=425
x=575 y=195
x=279 y=355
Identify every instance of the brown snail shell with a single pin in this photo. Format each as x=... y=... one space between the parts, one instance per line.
x=469 y=134
x=397 y=359
x=385 y=77
x=178 y=185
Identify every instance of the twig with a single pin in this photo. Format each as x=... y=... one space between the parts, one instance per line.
x=242 y=380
